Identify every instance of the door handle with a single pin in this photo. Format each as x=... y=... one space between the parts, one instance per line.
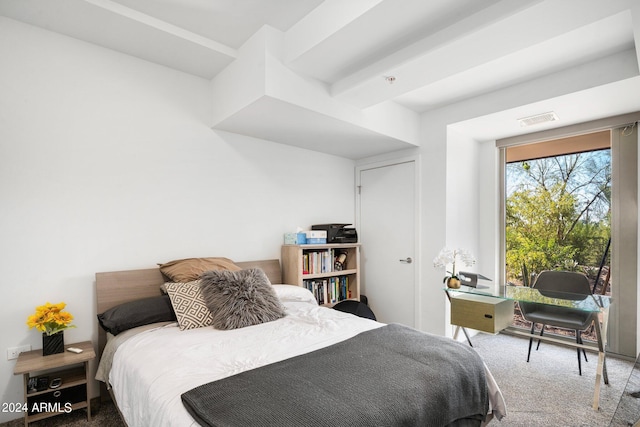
x=408 y=260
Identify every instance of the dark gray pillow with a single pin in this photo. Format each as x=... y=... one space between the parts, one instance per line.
x=240 y=298
x=137 y=313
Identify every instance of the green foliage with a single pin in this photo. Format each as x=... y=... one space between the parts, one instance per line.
x=590 y=240
x=557 y=214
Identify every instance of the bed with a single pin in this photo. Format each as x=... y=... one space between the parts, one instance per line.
x=312 y=366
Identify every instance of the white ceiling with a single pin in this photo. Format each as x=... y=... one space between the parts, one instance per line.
x=514 y=57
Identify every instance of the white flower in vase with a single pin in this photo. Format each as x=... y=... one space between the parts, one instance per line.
x=450 y=256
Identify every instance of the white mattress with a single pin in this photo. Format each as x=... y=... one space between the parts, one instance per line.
x=152 y=368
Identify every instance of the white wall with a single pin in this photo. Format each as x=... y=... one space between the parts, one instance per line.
x=106 y=163
x=455 y=176
x=489 y=210
x=433 y=222
x=462 y=203
x=462 y=192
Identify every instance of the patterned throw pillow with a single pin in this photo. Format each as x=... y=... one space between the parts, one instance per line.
x=189 y=305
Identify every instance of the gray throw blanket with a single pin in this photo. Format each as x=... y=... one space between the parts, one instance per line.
x=390 y=376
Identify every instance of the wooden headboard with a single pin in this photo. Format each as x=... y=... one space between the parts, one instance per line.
x=117 y=287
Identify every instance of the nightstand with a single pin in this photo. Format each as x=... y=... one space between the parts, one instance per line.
x=75 y=390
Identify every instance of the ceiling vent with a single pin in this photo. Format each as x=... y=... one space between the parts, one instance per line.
x=538 y=119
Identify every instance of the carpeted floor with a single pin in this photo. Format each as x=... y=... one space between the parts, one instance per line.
x=628 y=411
x=547 y=391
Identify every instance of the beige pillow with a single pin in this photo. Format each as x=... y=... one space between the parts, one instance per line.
x=189 y=305
x=190 y=269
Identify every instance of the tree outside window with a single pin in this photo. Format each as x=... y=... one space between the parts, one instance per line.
x=558 y=215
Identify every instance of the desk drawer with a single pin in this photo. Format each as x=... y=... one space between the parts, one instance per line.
x=481 y=313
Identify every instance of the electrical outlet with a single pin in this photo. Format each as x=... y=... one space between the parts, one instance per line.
x=14 y=352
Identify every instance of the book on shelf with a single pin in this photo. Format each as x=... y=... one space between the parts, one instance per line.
x=323 y=261
x=330 y=290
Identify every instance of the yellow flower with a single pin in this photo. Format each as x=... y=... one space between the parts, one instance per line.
x=65 y=317
x=50 y=318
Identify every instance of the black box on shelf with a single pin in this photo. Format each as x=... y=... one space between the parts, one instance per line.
x=338 y=233
x=57 y=400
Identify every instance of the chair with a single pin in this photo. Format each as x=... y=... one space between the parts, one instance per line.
x=566 y=285
x=359 y=308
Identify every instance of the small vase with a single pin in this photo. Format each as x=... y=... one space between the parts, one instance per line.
x=52 y=344
x=453 y=283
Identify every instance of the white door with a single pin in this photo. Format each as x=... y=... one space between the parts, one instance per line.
x=386 y=229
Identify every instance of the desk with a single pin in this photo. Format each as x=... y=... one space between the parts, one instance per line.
x=591 y=303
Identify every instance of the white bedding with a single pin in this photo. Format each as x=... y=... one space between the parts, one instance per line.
x=151 y=369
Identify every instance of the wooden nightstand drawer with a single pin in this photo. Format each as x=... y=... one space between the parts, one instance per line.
x=481 y=313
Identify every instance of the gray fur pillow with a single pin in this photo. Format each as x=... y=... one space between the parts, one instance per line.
x=240 y=298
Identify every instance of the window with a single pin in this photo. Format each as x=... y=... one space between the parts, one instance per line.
x=623 y=217
x=558 y=211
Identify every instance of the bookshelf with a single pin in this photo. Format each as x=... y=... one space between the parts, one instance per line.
x=313 y=267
